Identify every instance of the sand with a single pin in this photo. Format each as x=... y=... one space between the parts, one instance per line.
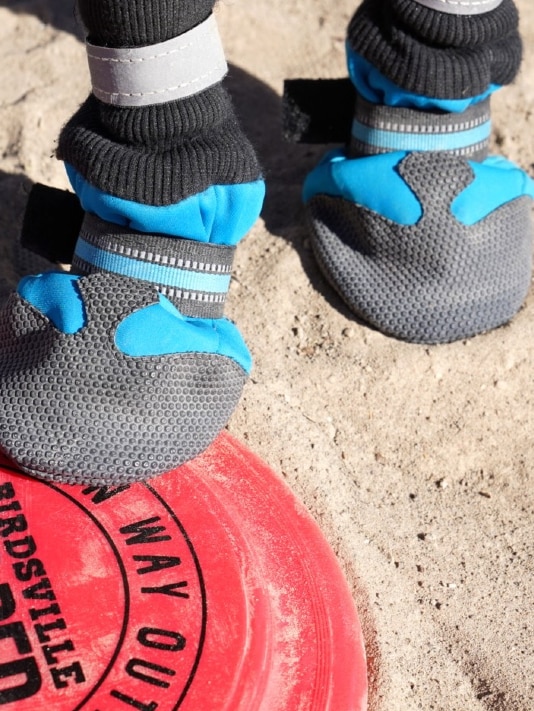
x=416 y=461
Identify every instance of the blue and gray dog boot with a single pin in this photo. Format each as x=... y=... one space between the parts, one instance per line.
x=125 y=367
x=423 y=235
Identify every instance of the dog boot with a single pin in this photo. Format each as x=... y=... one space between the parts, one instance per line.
x=125 y=367
x=423 y=234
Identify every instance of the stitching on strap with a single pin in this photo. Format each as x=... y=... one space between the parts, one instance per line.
x=170 y=89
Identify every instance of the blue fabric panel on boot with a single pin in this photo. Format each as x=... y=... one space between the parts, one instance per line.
x=374 y=182
x=222 y=214
x=378 y=89
x=56 y=295
x=497 y=181
x=160 y=329
x=371 y=182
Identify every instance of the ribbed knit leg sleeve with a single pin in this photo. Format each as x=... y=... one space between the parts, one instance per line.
x=437 y=54
x=162 y=153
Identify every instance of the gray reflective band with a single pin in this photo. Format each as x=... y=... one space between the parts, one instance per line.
x=381 y=129
x=461 y=7
x=140 y=76
x=195 y=276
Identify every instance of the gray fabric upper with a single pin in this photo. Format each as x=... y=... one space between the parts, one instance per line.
x=77 y=410
x=436 y=281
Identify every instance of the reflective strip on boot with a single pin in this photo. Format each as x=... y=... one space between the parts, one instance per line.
x=158 y=73
x=195 y=276
x=461 y=7
x=381 y=129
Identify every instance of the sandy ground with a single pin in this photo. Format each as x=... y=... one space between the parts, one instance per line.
x=416 y=461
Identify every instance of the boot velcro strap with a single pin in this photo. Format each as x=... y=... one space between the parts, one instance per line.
x=195 y=276
x=51 y=224
x=461 y=7
x=158 y=73
x=317 y=110
x=382 y=129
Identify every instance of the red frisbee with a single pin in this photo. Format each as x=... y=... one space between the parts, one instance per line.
x=206 y=589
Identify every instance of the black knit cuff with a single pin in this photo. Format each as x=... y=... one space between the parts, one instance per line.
x=136 y=23
x=438 y=54
x=162 y=154
x=165 y=152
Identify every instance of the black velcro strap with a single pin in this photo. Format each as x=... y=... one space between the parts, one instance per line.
x=318 y=110
x=52 y=223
